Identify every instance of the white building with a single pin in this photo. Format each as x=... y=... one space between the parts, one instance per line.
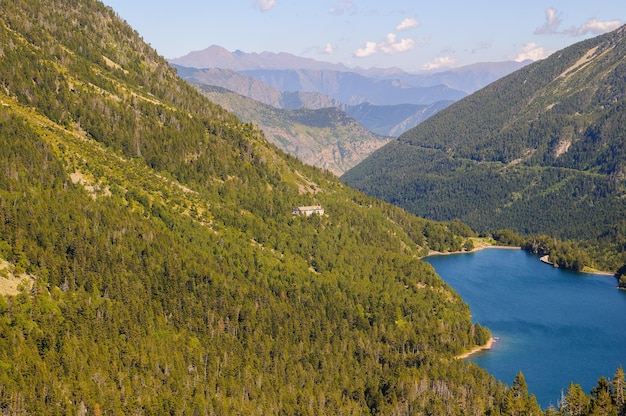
x=310 y=210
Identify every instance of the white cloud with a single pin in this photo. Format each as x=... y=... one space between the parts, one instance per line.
x=390 y=46
x=441 y=62
x=592 y=26
x=329 y=49
x=370 y=49
x=407 y=23
x=265 y=5
x=533 y=52
x=597 y=27
x=552 y=23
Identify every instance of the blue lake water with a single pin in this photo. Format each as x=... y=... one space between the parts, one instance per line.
x=555 y=326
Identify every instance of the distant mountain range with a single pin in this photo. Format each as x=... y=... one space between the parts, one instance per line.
x=217 y=57
x=389 y=120
x=386 y=101
x=315 y=91
x=467 y=79
x=286 y=81
x=255 y=89
x=352 y=88
x=392 y=120
x=541 y=150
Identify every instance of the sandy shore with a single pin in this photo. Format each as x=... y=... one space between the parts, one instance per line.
x=485 y=347
x=475 y=249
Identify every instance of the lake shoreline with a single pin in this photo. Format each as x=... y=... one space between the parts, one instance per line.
x=482 y=247
x=537 y=314
x=478 y=349
x=544 y=259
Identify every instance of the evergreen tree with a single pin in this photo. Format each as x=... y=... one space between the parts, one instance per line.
x=601 y=401
x=518 y=402
x=618 y=391
x=576 y=402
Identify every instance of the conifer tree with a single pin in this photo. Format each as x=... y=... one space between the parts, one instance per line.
x=518 y=402
x=618 y=391
x=601 y=403
x=576 y=403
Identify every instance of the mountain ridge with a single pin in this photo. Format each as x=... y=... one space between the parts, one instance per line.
x=391 y=120
x=544 y=139
x=216 y=56
x=256 y=89
x=289 y=82
x=325 y=137
x=353 y=89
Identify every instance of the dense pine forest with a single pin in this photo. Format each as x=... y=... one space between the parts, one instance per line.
x=162 y=270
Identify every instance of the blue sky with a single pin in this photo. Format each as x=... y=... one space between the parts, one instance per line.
x=414 y=35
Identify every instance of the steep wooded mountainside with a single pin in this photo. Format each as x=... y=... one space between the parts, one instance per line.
x=542 y=150
x=170 y=276
x=326 y=137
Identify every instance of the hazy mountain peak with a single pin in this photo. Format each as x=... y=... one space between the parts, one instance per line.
x=217 y=57
x=467 y=78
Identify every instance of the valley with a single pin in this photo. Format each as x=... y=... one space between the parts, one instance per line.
x=169 y=274
x=385 y=104
x=538 y=152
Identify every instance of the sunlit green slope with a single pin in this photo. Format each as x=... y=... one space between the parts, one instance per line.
x=169 y=274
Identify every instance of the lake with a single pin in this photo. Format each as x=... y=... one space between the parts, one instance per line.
x=554 y=325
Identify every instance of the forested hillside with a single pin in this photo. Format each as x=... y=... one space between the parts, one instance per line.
x=170 y=276
x=541 y=151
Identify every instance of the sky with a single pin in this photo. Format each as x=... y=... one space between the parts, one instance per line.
x=413 y=35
